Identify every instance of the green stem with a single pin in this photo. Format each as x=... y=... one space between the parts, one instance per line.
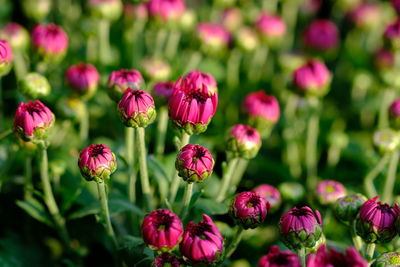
x=176 y=179
x=259 y=58
x=28 y=178
x=302 y=255
x=289 y=14
x=91 y=48
x=160 y=40
x=369 y=179
x=130 y=158
x=239 y=172
x=101 y=187
x=48 y=196
x=144 y=176
x=104 y=41
x=357 y=241
x=235 y=242
x=387 y=195
x=162 y=127
x=311 y=146
x=5 y=133
x=172 y=44
x=84 y=124
x=194 y=60
x=186 y=200
x=227 y=179
x=388 y=96
x=20 y=67
x=233 y=67
x=369 y=253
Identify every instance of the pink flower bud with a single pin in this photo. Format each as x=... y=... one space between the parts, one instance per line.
x=136 y=108
x=83 y=79
x=194 y=163
x=214 y=37
x=202 y=243
x=164 y=90
x=262 y=109
x=396 y=5
x=162 y=230
x=278 y=258
x=166 y=9
x=321 y=35
x=325 y=258
x=5 y=57
x=135 y=11
x=50 y=41
x=247 y=39
x=394 y=114
x=192 y=104
x=249 y=209
x=97 y=162
x=16 y=35
x=243 y=141
x=384 y=59
x=156 y=69
x=329 y=191
x=203 y=79
x=270 y=195
x=232 y=18
x=365 y=15
x=106 y=9
x=32 y=121
x=301 y=228
x=271 y=27
x=392 y=34
x=166 y=260
x=313 y=78
x=120 y=80
x=376 y=221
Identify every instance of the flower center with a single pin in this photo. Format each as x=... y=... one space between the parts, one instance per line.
x=163 y=221
x=329 y=189
x=249 y=132
x=253 y=201
x=34 y=107
x=200 y=229
x=394 y=260
x=299 y=212
x=96 y=150
x=198 y=95
x=385 y=208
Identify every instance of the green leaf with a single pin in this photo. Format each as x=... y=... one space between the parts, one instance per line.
x=211 y=207
x=90 y=209
x=157 y=171
x=118 y=205
x=194 y=199
x=35 y=209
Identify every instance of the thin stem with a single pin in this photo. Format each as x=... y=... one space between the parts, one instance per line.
x=104 y=41
x=369 y=179
x=91 y=48
x=162 y=127
x=302 y=255
x=28 y=178
x=130 y=158
x=186 y=200
x=20 y=67
x=101 y=187
x=176 y=179
x=311 y=146
x=387 y=195
x=357 y=241
x=84 y=124
x=235 y=242
x=160 y=40
x=233 y=67
x=388 y=95
x=239 y=172
x=369 y=253
x=144 y=176
x=289 y=14
x=194 y=60
x=172 y=43
x=227 y=179
x=259 y=58
x=5 y=133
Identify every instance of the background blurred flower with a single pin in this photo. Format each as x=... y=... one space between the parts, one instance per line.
x=166 y=260
x=312 y=78
x=16 y=35
x=34 y=85
x=346 y=208
x=328 y=191
x=279 y=258
x=5 y=57
x=321 y=35
x=243 y=141
x=333 y=257
x=166 y=9
x=270 y=195
x=83 y=79
x=120 y=80
x=50 y=41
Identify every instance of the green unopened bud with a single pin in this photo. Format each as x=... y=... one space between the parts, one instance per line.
x=386 y=140
x=34 y=85
x=346 y=208
x=291 y=191
x=390 y=259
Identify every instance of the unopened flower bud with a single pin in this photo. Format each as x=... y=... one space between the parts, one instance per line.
x=36 y=9
x=5 y=57
x=243 y=141
x=106 y=9
x=346 y=208
x=321 y=35
x=332 y=257
x=213 y=37
x=366 y=15
x=120 y=80
x=83 y=78
x=166 y=11
x=16 y=35
x=167 y=260
x=386 y=140
x=155 y=69
x=270 y=195
x=279 y=258
x=162 y=91
x=232 y=18
x=271 y=27
x=291 y=191
x=247 y=39
x=328 y=191
x=394 y=114
x=50 y=42
x=34 y=85
x=312 y=79
x=392 y=34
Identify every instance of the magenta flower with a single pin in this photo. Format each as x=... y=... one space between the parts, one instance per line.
x=83 y=78
x=384 y=59
x=301 y=227
x=203 y=79
x=278 y=258
x=270 y=195
x=32 y=121
x=136 y=108
x=262 y=109
x=392 y=34
x=192 y=105
x=213 y=36
x=120 y=80
x=271 y=27
x=166 y=9
x=376 y=221
x=321 y=35
x=329 y=191
x=248 y=209
x=396 y=5
x=166 y=260
x=50 y=41
x=97 y=162
x=164 y=90
x=202 y=243
x=313 y=78
x=394 y=114
x=162 y=230
x=16 y=35
x=5 y=57
x=334 y=258
x=194 y=163
x=365 y=15
x=243 y=141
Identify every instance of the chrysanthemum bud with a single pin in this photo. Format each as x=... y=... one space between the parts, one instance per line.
x=396 y=5
x=156 y=69
x=389 y=259
x=249 y=209
x=346 y=208
x=394 y=114
x=34 y=85
x=384 y=59
x=247 y=39
x=312 y=79
x=376 y=221
x=232 y=18
x=366 y=15
x=301 y=228
x=214 y=37
x=36 y=9
x=203 y=79
x=32 y=121
x=162 y=230
x=5 y=57
x=194 y=163
x=50 y=41
x=392 y=34
x=83 y=79
x=325 y=258
x=16 y=35
x=202 y=243
x=97 y=162
x=106 y=9
x=270 y=195
x=136 y=108
x=166 y=11
x=321 y=35
x=386 y=140
x=271 y=27
x=328 y=191
x=279 y=258
x=120 y=80
x=291 y=191
x=166 y=260
x=163 y=90
x=243 y=141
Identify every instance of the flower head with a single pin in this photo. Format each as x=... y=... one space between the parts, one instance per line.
x=32 y=121
x=232 y=18
x=106 y=9
x=386 y=140
x=163 y=90
x=97 y=162
x=321 y=35
x=83 y=78
x=166 y=10
x=16 y=35
x=50 y=41
x=136 y=108
x=202 y=243
x=194 y=163
x=328 y=191
x=392 y=34
x=270 y=195
x=156 y=69
x=389 y=259
x=203 y=79
x=365 y=15
x=384 y=59
x=213 y=36
x=313 y=78
x=120 y=80
x=376 y=221
x=247 y=39
x=279 y=258
x=243 y=141
x=271 y=27
x=162 y=230
x=192 y=104
x=291 y=191
x=346 y=208
x=166 y=260
x=334 y=258
x=34 y=85
x=36 y=9
x=301 y=227
x=248 y=209
x=5 y=57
